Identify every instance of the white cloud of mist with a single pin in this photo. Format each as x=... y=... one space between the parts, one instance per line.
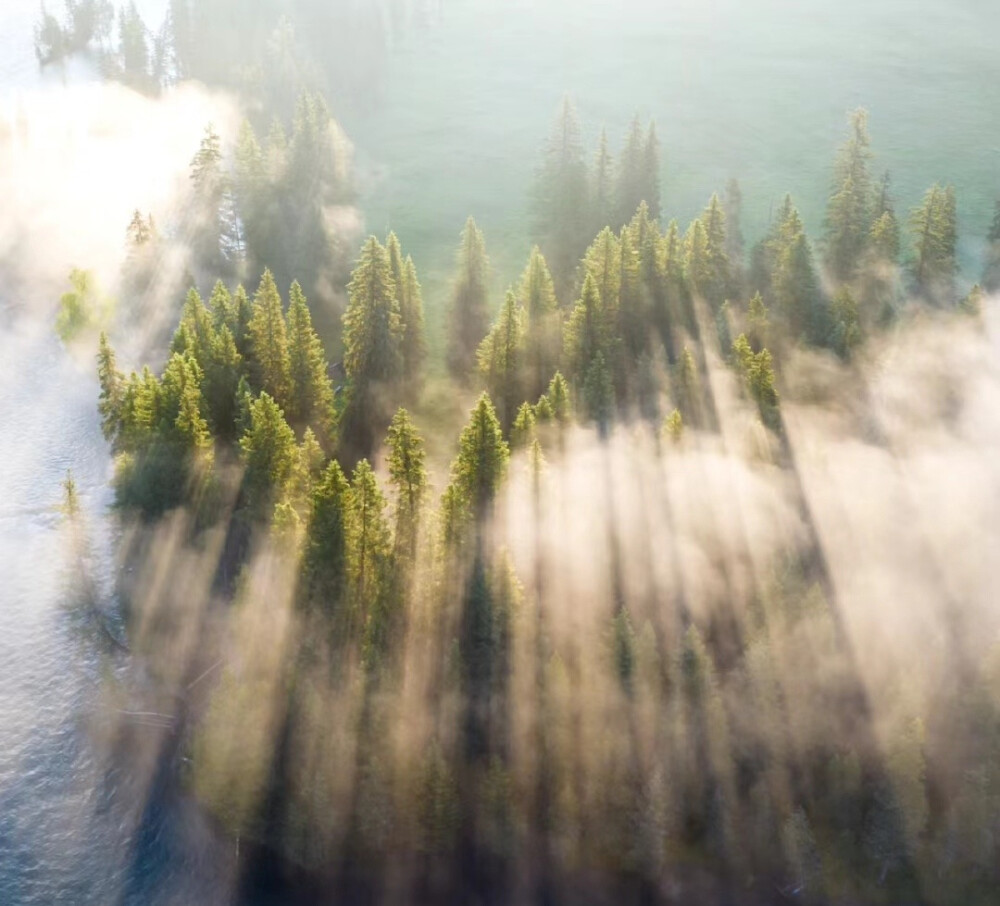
x=75 y=162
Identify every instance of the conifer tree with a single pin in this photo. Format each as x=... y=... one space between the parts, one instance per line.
x=849 y=211
x=408 y=476
x=846 y=326
x=268 y=341
x=603 y=262
x=650 y=171
x=603 y=189
x=586 y=330
x=112 y=398
x=796 y=286
x=411 y=312
x=481 y=462
x=501 y=358
x=538 y=300
x=412 y=316
x=717 y=258
x=469 y=310
x=697 y=264
x=557 y=396
x=631 y=190
x=599 y=391
x=372 y=332
x=326 y=539
x=368 y=542
x=523 y=430
x=732 y=207
x=991 y=271
x=561 y=198
x=223 y=373
x=311 y=391
x=269 y=454
x=933 y=225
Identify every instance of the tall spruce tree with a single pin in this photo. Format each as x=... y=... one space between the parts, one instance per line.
x=561 y=199
x=537 y=296
x=469 y=308
x=991 y=270
x=501 y=360
x=372 y=333
x=311 y=391
x=408 y=476
x=849 y=210
x=481 y=463
x=933 y=225
x=270 y=368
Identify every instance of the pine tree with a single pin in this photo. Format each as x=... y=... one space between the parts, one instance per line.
x=325 y=556
x=732 y=207
x=717 y=258
x=411 y=313
x=697 y=264
x=650 y=173
x=991 y=271
x=112 y=398
x=849 y=211
x=523 y=430
x=223 y=373
x=558 y=398
x=269 y=454
x=311 y=391
x=408 y=477
x=599 y=392
x=561 y=198
x=758 y=323
x=268 y=341
x=933 y=224
x=603 y=262
x=538 y=299
x=586 y=331
x=469 y=310
x=796 y=286
x=481 y=462
x=631 y=170
x=372 y=333
x=603 y=190
x=500 y=358
x=846 y=325
x=368 y=542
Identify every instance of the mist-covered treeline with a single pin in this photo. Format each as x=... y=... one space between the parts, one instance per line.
x=678 y=609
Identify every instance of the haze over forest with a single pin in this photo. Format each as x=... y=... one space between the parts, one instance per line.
x=499 y=452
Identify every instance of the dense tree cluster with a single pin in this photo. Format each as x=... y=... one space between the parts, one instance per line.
x=641 y=754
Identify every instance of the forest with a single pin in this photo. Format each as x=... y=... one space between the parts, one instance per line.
x=538 y=599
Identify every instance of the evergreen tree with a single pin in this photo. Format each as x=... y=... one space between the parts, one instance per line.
x=408 y=476
x=411 y=312
x=849 y=211
x=796 y=286
x=311 y=391
x=500 y=359
x=469 y=310
x=269 y=454
x=846 y=325
x=112 y=398
x=603 y=262
x=268 y=341
x=523 y=430
x=558 y=398
x=372 y=332
x=538 y=300
x=717 y=258
x=650 y=173
x=933 y=224
x=481 y=462
x=561 y=202
x=412 y=316
x=603 y=190
x=698 y=269
x=223 y=373
x=325 y=554
x=599 y=391
x=991 y=271
x=586 y=331
x=732 y=207
x=368 y=543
